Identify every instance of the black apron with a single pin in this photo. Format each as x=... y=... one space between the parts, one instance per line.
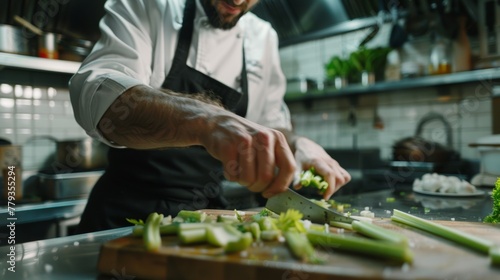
x=138 y=182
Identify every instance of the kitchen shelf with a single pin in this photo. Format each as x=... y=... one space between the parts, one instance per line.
x=36 y=63
x=36 y=71
x=485 y=76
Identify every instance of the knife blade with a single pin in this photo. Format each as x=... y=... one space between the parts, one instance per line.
x=290 y=199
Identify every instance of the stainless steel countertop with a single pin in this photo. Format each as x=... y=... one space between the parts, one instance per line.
x=76 y=257
x=71 y=257
x=45 y=211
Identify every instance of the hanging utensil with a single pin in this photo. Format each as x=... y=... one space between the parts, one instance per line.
x=28 y=25
x=398 y=35
x=375 y=29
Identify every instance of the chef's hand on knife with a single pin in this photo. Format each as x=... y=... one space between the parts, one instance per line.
x=261 y=158
x=309 y=154
x=252 y=155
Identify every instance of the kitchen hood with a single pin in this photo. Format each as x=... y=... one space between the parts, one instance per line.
x=298 y=21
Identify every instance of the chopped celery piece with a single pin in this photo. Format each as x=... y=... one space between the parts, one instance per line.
x=169 y=229
x=220 y=236
x=270 y=235
x=255 y=230
x=190 y=236
x=309 y=178
x=300 y=247
x=378 y=232
x=361 y=245
x=238 y=215
x=135 y=221
x=341 y=225
x=151 y=235
x=318 y=227
x=240 y=244
x=192 y=216
x=227 y=219
x=451 y=234
x=138 y=230
x=290 y=220
x=495 y=255
x=266 y=223
x=188 y=226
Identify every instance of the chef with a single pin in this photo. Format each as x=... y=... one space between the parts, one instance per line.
x=187 y=93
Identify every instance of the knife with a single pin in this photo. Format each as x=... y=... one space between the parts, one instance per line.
x=290 y=199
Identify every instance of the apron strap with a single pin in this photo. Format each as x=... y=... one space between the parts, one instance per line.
x=179 y=67
x=185 y=36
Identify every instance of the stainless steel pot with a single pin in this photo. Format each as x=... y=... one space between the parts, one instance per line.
x=81 y=155
x=75 y=155
x=13 y=40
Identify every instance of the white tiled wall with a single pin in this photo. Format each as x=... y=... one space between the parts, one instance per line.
x=466 y=108
x=27 y=111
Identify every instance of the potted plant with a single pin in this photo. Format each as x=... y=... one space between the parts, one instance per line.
x=338 y=70
x=369 y=62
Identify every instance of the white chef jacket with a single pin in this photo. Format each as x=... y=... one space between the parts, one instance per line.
x=137 y=46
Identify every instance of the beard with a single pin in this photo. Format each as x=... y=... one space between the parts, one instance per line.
x=218 y=20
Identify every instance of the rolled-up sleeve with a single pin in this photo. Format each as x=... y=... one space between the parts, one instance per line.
x=120 y=60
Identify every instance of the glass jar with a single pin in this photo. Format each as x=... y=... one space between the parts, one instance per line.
x=439 y=60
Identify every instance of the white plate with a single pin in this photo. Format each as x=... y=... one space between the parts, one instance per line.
x=476 y=193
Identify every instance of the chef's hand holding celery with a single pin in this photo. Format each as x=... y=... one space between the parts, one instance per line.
x=315 y=164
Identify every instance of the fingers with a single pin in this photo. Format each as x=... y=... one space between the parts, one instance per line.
x=337 y=177
x=332 y=173
x=262 y=162
x=285 y=163
x=246 y=162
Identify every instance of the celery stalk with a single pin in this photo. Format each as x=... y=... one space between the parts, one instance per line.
x=190 y=236
x=341 y=225
x=188 y=226
x=220 y=236
x=255 y=230
x=495 y=255
x=300 y=247
x=192 y=216
x=377 y=232
x=270 y=234
x=361 y=245
x=242 y=243
x=169 y=229
x=451 y=234
x=151 y=235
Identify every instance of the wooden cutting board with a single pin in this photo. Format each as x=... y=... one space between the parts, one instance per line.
x=434 y=258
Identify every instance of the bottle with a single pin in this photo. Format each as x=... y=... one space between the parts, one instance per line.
x=439 y=60
x=461 y=48
x=393 y=66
